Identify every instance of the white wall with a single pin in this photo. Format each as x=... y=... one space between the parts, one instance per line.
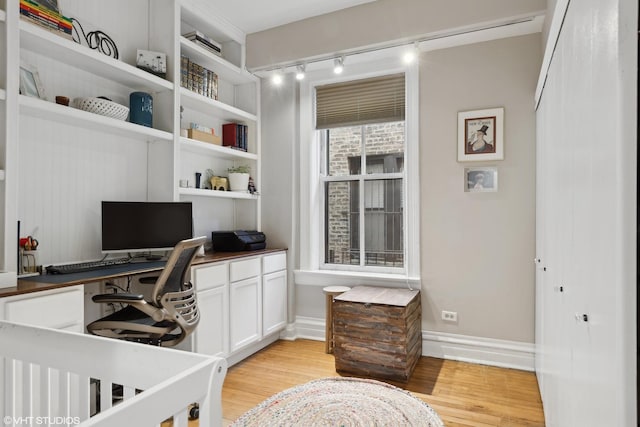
x=587 y=208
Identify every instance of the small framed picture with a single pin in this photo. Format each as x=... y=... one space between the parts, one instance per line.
x=30 y=84
x=152 y=62
x=481 y=135
x=480 y=179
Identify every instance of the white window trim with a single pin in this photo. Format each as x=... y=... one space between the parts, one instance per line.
x=312 y=271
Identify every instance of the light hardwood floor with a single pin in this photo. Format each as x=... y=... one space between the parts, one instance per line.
x=464 y=394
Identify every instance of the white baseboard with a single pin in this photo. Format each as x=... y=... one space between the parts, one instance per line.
x=485 y=351
x=309 y=328
x=463 y=348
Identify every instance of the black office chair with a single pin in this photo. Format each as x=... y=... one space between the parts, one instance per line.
x=170 y=316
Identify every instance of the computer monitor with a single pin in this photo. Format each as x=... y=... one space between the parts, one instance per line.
x=145 y=226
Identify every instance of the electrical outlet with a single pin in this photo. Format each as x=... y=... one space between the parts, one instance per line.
x=449 y=316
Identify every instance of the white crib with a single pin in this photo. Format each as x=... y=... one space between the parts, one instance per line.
x=49 y=379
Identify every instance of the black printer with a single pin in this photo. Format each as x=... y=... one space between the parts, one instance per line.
x=239 y=240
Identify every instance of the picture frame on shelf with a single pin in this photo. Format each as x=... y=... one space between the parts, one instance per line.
x=481 y=135
x=152 y=62
x=30 y=83
x=481 y=180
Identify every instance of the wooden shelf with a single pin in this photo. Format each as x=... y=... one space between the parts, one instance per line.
x=43 y=42
x=72 y=116
x=223 y=68
x=218 y=151
x=219 y=109
x=217 y=194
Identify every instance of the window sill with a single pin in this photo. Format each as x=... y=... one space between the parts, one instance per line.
x=350 y=278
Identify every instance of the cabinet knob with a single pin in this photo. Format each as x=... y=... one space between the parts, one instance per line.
x=582 y=317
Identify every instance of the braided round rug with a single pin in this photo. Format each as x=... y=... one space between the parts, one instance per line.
x=341 y=401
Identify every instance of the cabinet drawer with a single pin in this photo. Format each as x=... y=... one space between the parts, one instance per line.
x=240 y=270
x=59 y=310
x=276 y=262
x=210 y=276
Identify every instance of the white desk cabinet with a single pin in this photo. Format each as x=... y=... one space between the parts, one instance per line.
x=61 y=308
x=242 y=304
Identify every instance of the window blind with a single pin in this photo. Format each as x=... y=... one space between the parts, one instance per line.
x=357 y=102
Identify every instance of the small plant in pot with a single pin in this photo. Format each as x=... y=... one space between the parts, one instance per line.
x=239 y=178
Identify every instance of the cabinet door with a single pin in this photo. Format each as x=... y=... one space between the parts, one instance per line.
x=274 y=302
x=246 y=312
x=212 y=333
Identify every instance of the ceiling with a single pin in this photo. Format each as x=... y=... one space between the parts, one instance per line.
x=256 y=15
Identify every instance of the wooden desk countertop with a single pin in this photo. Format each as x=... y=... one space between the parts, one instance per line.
x=28 y=285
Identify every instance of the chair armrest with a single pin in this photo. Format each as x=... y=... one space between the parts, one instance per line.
x=123 y=297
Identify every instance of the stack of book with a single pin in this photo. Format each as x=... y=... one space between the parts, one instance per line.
x=44 y=15
x=234 y=135
x=203 y=41
x=198 y=79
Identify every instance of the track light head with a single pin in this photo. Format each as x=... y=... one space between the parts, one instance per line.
x=338 y=65
x=300 y=72
x=411 y=54
x=276 y=78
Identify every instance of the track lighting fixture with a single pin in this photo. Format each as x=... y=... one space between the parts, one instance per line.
x=338 y=65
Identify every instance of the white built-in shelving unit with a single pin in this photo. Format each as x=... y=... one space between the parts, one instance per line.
x=238 y=102
x=65 y=161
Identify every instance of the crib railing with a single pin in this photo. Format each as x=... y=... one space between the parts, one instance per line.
x=49 y=377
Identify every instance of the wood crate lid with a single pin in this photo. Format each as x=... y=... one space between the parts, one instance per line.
x=377 y=295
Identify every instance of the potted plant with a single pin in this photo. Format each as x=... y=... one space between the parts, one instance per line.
x=239 y=178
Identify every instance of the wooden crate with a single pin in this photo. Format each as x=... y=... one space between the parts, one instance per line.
x=377 y=332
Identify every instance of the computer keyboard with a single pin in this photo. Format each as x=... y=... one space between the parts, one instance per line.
x=86 y=266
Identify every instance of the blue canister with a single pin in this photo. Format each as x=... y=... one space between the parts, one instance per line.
x=141 y=109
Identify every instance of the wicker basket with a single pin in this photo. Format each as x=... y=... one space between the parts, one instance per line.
x=104 y=107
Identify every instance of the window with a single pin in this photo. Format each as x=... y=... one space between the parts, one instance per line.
x=361 y=131
x=377 y=149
